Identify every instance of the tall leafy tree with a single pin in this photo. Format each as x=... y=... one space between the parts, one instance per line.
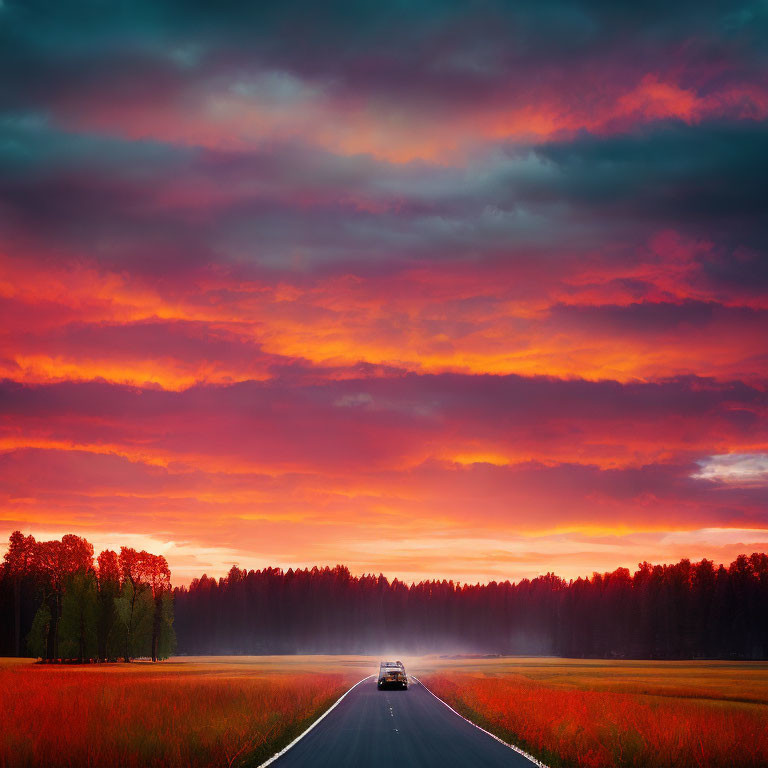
x=134 y=608
x=108 y=591
x=18 y=565
x=37 y=639
x=55 y=562
x=158 y=576
x=144 y=576
x=77 y=632
x=164 y=634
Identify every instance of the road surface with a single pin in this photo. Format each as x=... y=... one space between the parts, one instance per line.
x=397 y=729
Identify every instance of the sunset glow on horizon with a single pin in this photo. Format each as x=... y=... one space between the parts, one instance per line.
x=422 y=290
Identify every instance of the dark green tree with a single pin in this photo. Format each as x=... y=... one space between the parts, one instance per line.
x=107 y=629
x=37 y=639
x=165 y=634
x=135 y=609
x=77 y=626
x=18 y=563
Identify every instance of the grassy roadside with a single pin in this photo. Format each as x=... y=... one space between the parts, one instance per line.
x=593 y=714
x=199 y=712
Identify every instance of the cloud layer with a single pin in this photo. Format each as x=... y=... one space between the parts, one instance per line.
x=488 y=283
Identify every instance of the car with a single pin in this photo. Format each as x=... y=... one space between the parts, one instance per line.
x=392 y=675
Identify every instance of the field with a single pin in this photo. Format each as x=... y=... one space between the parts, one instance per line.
x=626 y=713
x=237 y=711
x=207 y=712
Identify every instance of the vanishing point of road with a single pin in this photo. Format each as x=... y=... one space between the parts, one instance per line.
x=397 y=729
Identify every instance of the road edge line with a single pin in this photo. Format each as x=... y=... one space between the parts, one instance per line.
x=325 y=714
x=513 y=747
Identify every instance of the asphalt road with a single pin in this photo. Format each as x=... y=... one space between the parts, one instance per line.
x=401 y=729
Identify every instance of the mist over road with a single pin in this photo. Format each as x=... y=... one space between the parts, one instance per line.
x=397 y=729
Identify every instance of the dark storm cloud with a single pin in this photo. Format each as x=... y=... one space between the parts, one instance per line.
x=440 y=51
x=707 y=175
x=121 y=199
x=120 y=202
x=707 y=181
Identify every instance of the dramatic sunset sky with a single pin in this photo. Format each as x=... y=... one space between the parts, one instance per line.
x=439 y=289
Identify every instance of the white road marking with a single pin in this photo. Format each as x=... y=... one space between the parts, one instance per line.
x=319 y=719
x=492 y=735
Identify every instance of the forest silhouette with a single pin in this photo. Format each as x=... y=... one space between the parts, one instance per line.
x=57 y=601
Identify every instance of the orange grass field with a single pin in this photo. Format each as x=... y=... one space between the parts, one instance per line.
x=623 y=713
x=237 y=711
x=209 y=712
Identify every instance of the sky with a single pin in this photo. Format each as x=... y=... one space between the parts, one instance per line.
x=467 y=290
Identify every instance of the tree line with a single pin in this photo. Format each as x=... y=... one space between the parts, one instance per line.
x=57 y=602
x=684 y=610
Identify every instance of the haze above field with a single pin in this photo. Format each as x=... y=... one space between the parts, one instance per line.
x=424 y=292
